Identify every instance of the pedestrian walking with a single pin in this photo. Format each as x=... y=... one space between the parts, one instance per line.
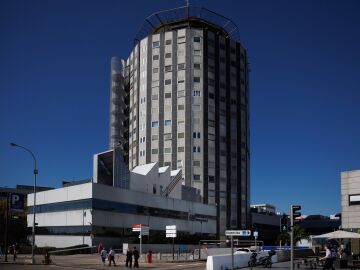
x=103 y=255
x=100 y=246
x=329 y=259
x=128 y=258
x=111 y=256
x=136 y=258
x=15 y=249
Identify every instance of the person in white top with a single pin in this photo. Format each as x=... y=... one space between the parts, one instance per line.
x=329 y=260
x=111 y=256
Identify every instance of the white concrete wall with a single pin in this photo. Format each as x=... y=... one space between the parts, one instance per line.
x=65 y=218
x=144 y=183
x=72 y=193
x=61 y=241
x=350 y=185
x=240 y=260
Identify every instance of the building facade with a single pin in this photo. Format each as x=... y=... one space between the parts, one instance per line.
x=186 y=94
x=350 y=200
x=92 y=213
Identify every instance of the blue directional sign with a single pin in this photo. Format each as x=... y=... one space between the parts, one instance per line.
x=17 y=202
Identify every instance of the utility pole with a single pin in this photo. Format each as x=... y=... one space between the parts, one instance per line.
x=291 y=239
x=6 y=226
x=293 y=215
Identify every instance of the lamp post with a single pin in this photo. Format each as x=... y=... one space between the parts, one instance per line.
x=34 y=205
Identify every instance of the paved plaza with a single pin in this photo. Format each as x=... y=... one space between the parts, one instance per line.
x=93 y=262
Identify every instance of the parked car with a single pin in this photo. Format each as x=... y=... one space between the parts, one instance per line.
x=243 y=250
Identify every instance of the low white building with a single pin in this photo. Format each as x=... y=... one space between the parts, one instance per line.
x=99 y=211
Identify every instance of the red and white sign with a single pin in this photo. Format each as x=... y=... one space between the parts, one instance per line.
x=136 y=227
x=143 y=229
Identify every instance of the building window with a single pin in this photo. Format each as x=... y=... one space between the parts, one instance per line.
x=197 y=52
x=180 y=135
x=154 y=97
x=181 y=93
x=196 y=39
x=155 y=84
x=154 y=124
x=167 y=122
x=196 y=66
x=155 y=70
x=154 y=137
x=196 y=149
x=181 y=107
x=211 y=179
x=180 y=149
x=181 y=80
x=196 y=163
x=168 y=55
x=156 y=44
x=179 y=164
x=196 y=107
x=354 y=199
x=154 y=151
x=167 y=136
x=196 y=177
x=181 y=40
x=167 y=95
x=196 y=135
x=155 y=57
x=181 y=66
x=168 y=68
x=167 y=150
x=168 y=82
x=168 y=42
x=211 y=95
x=197 y=79
x=211 y=82
x=196 y=93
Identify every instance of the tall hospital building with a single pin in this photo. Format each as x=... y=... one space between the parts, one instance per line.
x=181 y=99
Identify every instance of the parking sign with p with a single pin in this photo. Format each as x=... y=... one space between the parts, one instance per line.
x=17 y=202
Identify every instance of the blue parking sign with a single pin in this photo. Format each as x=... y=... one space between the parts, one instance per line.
x=17 y=202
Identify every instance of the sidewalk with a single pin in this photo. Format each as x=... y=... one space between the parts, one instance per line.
x=89 y=261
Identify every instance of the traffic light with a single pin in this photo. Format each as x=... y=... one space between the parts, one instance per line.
x=284 y=225
x=295 y=213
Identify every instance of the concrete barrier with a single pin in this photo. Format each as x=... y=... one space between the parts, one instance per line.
x=223 y=262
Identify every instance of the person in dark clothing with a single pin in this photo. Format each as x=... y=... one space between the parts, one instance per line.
x=15 y=251
x=128 y=258
x=136 y=257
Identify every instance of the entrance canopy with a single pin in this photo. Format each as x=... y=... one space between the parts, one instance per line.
x=338 y=235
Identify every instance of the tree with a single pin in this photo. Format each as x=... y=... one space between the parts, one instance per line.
x=299 y=233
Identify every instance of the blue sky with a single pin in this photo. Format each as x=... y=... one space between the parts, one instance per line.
x=305 y=96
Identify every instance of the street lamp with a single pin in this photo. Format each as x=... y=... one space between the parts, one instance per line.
x=34 y=206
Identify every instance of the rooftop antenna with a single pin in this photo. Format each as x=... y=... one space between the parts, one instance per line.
x=187 y=2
